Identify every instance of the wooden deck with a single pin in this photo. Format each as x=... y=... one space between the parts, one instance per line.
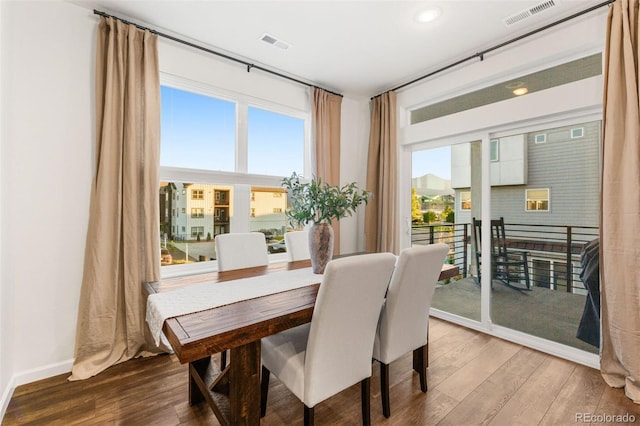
x=552 y=315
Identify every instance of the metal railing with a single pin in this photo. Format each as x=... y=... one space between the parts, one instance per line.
x=554 y=250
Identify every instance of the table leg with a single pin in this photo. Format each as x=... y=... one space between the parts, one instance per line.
x=200 y=366
x=244 y=384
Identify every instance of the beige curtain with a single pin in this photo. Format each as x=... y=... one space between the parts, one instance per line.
x=326 y=111
x=620 y=230
x=381 y=220
x=123 y=248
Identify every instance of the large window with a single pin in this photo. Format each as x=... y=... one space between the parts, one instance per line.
x=223 y=157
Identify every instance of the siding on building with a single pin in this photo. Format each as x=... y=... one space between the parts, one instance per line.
x=569 y=168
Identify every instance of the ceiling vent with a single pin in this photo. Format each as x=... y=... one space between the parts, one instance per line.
x=528 y=13
x=267 y=38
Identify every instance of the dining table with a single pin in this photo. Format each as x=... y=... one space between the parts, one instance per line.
x=234 y=393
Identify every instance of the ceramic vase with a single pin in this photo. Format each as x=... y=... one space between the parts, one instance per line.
x=320 y=246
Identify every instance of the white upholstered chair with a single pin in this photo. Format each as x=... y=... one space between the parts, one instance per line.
x=241 y=250
x=333 y=352
x=237 y=251
x=297 y=243
x=404 y=318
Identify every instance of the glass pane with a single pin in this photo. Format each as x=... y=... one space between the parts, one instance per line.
x=578 y=69
x=441 y=203
x=268 y=207
x=191 y=215
x=543 y=246
x=276 y=143
x=197 y=131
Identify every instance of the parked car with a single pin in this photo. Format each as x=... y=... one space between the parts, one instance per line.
x=278 y=247
x=165 y=257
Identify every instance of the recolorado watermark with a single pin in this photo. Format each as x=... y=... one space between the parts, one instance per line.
x=605 y=418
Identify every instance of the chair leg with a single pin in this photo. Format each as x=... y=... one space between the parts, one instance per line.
x=264 y=390
x=384 y=389
x=365 y=394
x=420 y=356
x=308 y=416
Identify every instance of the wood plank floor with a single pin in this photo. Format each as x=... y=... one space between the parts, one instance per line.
x=473 y=379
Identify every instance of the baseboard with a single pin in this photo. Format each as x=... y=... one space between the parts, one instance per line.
x=32 y=376
x=6 y=397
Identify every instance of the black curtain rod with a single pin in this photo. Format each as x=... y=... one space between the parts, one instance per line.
x=491 y=49
x=249 y=65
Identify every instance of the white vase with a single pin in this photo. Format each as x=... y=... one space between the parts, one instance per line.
x=320 y=246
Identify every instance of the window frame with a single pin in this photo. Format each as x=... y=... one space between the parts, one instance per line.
x=239 y=179
x=527 y=199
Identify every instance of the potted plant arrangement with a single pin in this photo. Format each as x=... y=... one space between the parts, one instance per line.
x=319 y=203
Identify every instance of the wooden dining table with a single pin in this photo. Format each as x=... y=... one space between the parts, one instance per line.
x=234 y=393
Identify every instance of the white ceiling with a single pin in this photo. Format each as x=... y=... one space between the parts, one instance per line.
x=357 y=48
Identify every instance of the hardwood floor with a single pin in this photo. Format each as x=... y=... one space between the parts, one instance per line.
x=473 y=378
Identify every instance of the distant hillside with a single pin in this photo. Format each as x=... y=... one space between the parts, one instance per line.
x=431 y=185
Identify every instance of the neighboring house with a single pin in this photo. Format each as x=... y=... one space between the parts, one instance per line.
x=268 y=206
x=189 y=211
x=551 y=177
x=541 y=178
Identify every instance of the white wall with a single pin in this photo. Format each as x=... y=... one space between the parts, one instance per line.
x=4 y=363
x=353 y=167
x=47 y=157
x=47 y=139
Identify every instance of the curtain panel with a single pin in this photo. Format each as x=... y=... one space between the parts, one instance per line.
x=123 y=248
x=620 y=216
x=381 y=219
x=326 y=112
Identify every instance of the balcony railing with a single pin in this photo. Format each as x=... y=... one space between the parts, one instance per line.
x=554 y=250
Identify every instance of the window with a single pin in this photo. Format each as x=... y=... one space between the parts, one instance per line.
x=541 y=138
x=577 y=133
x=537 y=199
x=276 y=143
x=230 y=153
x=465 y=200
x=495 y=149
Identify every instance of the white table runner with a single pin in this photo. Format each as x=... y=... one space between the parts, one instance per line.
x=200 y=297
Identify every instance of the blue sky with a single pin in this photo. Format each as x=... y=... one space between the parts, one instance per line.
x=436 y=161
x=199 y=132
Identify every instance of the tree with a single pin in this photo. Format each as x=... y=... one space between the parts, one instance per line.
x=429 y=216
x=447 y=215
x=416 y=216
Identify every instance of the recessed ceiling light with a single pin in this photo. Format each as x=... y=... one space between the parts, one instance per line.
x=429 y=15
x=521 y=91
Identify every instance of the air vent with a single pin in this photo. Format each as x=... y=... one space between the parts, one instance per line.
x=267 y=38
x=528 y=13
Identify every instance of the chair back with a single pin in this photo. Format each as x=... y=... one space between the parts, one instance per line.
x=498 y=239
x=343 y=324
x=403 y=324
x=241 y=250
x=297 y=243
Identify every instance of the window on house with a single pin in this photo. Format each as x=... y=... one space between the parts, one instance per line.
x=495 y=149
x=465 y=200
x=236 y=152
x=537 y=199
